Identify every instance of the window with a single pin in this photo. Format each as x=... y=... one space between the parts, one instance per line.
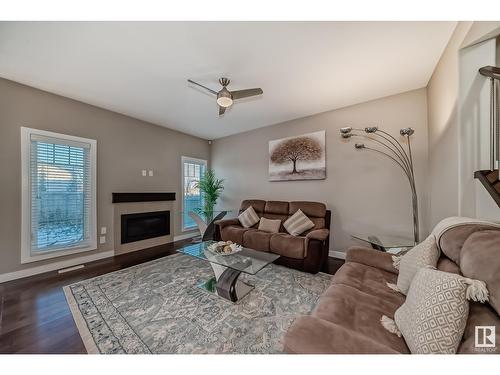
x=59 y=195
x=192 y=171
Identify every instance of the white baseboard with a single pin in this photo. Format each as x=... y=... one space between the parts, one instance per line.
x=337 y=254
x=54 y=266
x=186 y=236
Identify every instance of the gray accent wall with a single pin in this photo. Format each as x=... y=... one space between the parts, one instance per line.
x=125 y=146
x=366 y=193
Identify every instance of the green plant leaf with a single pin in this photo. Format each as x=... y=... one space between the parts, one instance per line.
x=211 y=187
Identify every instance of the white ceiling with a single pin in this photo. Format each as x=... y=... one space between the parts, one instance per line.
x=140 y=68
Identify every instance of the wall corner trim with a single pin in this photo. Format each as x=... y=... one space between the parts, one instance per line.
x=54 y=266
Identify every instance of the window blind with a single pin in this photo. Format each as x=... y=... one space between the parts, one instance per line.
x=61 y=194
x=193 y=170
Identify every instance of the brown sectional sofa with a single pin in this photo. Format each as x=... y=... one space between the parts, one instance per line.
x=308 y=252
x=347 y=317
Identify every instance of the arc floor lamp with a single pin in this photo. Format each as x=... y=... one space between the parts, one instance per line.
x=394 y=150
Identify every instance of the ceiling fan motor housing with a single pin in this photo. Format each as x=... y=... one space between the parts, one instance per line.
x=224 y=81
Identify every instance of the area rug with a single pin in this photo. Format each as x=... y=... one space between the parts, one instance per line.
x=156 y=307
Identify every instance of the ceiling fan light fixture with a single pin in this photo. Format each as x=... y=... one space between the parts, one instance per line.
x=224 y=98
x=224 y=101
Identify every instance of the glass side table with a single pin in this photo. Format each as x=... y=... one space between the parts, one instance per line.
x=390 y=244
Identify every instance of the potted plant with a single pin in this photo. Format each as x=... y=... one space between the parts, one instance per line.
x=211 y=188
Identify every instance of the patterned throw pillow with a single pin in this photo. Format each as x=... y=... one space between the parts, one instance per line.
x=249 y=217
x=433 y=318
x=269 y=225
x=298 y=223
x=424 y=254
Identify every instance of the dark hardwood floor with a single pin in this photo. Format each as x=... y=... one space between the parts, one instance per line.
x=34 y=315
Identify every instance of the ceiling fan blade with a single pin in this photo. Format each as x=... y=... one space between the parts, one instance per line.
x=206 y=88
x=239 y=94
x=221 y=110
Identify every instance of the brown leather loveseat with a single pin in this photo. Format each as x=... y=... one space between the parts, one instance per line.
x=347 y=317
x=307 y=252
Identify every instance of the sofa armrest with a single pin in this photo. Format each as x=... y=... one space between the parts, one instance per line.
x=371 y=257
x=318 y=234
x=310 y=335
x=226 y=222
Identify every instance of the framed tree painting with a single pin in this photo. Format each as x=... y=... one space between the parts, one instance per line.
x=298 y=158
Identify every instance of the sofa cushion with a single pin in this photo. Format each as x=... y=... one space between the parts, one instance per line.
x=310 y=335
x=452 y=240
x=432 y=319
x=424 y=254
x=257 y=239
x=276 y=207
x=310 y=209
x=315 y=211
x=359 y=312
x=447 y=265
x=248 y=218
x=371 y=257
x=268 y=225
x=233 y=233
x=298 y=223
x=257 y=204
x=480 y=259
x=281 y=218
x=288 y=245
x=479 y=315
x=370 y=280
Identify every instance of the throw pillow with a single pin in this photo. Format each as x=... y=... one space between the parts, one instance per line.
x=424 y=254
x=433 y=317
x=298 y=223
x=269 y=225
x=248 y=218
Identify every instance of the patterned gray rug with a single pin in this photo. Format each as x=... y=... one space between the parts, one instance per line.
x=156 y=307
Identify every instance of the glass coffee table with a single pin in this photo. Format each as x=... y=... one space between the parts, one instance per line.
x=227 y=269
x=390 y=244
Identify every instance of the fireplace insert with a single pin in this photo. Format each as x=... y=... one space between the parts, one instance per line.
x=144 y=225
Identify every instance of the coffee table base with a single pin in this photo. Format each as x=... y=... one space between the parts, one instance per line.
x=227 y=285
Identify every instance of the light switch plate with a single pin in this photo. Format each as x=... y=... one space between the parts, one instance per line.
x=102 y=239
x=150 y=173
x=104 y=230
x=144 y=173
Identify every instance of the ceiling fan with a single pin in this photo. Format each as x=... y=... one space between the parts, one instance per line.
x=225 y=97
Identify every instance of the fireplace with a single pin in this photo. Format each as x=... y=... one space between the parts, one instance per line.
x=144 y=225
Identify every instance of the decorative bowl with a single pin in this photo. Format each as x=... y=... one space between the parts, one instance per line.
x=224 y=248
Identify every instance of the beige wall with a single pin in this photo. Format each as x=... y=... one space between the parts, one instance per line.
x=453 y=141
x=125 y=146
x=442 y=99
x=366 y=193
x=479 y=31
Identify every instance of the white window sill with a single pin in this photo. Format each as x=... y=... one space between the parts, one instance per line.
x=190 y=229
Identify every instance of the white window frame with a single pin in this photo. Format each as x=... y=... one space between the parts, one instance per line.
x=26 y=255
x=187 y=159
